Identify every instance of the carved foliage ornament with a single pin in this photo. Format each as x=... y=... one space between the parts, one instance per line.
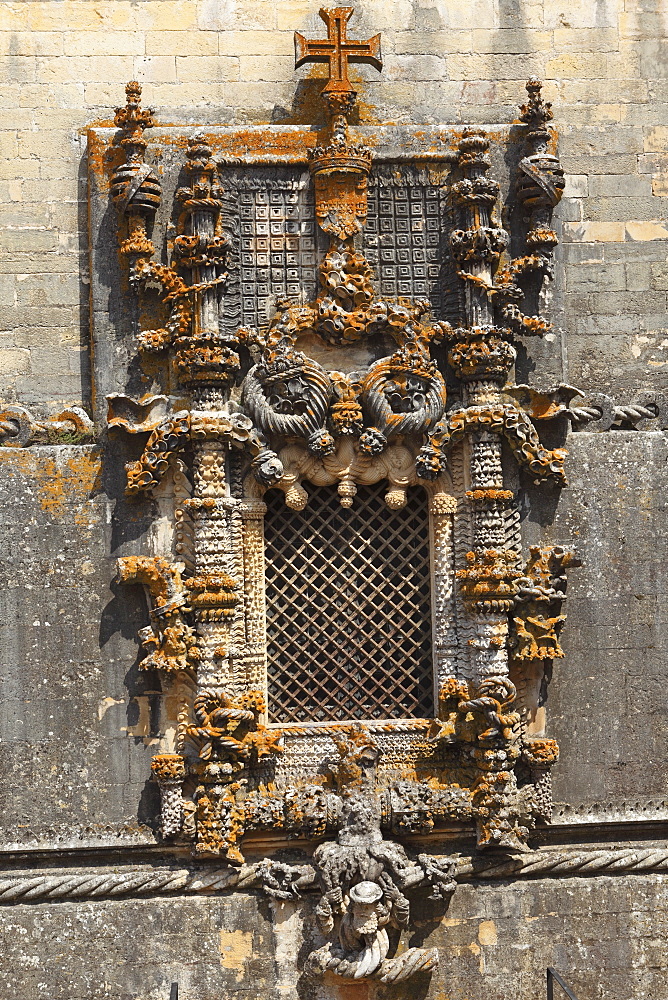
x=297 y=421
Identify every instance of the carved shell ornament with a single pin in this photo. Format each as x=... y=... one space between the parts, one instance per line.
x=342 y=314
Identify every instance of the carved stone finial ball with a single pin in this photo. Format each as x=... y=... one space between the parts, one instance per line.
x=366 y=892
x=395 y=499
x=347 y=492
x=296 y=497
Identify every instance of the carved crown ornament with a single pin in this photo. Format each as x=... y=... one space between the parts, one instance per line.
x=341 y=321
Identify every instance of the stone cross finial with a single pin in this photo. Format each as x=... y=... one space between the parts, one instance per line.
x=536 y=112
x=132 y=118
x=337 y=50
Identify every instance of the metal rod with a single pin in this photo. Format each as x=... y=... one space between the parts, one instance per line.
x=552 y=977
x=174 y=992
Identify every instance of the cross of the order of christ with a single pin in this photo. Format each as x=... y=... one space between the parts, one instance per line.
x=337 y=50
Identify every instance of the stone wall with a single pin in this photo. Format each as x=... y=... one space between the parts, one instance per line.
x=609 y=932
x=65 y=63
x=76 y=711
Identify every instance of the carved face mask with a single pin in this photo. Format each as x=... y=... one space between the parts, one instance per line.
x=364 y=918
x=364 y=899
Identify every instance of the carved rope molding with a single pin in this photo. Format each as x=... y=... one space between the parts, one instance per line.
x=135 y=881
x=647 y=410
x=19 y=428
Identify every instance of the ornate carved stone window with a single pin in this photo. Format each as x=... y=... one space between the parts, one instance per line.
x=345 y=544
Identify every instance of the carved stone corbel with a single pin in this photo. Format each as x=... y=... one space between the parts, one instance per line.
x=362 y=877
x=169 y=640
x=540 y=592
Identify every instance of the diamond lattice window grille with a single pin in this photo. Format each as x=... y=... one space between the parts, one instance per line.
x=348 y=608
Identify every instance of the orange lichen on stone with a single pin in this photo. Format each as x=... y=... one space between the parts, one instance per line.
x=61 y=485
